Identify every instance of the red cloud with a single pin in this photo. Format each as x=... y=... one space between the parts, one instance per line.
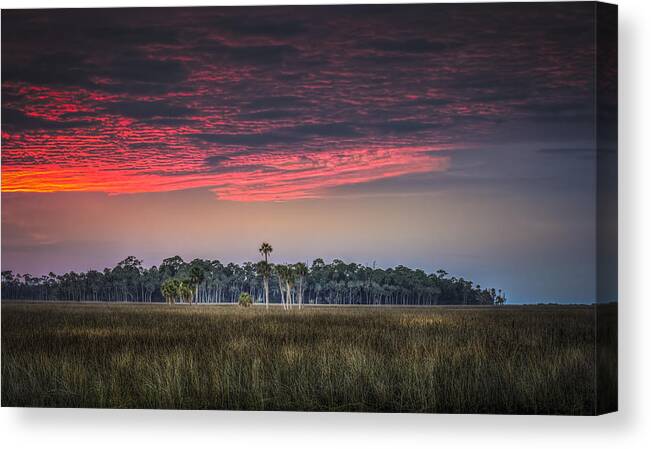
x=263 y=177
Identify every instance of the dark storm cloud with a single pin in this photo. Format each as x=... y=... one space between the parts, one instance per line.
x=110 y=26
x=277 y=102
x=127 y=73
x=405 y=127
x=283 y=101
x=67 y=47
x=251 y=140
x=149 y=109
x=325 y=130
x=290 y=134
x=167 y=121
x=272 y=114
x=221 y=164
x=134 y=36
x=128 y=55
x=412 y=45
x=247 y=54
x=58 y=68
x=139 y=68
x=261 y=54
x=430 y=102
x=216 y=160
x=17 y=120
x=244 y=26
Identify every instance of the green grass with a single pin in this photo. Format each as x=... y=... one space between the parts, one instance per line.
x=453 y=360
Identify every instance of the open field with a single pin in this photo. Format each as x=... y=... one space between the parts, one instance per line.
x=533 y=359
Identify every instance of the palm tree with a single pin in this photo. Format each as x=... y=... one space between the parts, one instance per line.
x=300 y=269
x=170 y=290
x=245 y=299
x=285 y=282
x=264 y=269
x=186 y=291
x=265 y=250
x=196 y=277
x=290 y=277
x=280 y=272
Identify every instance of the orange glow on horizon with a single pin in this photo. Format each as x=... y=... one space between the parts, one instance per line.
x=245 y=178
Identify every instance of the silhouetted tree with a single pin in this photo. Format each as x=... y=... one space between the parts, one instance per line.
x=265 y=250
x=212 y=282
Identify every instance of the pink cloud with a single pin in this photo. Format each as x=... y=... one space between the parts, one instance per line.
x=262 y=177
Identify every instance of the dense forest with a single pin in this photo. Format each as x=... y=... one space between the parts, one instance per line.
x=210 y=281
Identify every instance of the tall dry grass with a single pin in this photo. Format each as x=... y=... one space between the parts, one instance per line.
x=483 y=360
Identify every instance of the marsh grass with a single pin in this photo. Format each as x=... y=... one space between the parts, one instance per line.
x=463 y=360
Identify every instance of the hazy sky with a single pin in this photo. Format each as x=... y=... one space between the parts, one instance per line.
x=443 y=136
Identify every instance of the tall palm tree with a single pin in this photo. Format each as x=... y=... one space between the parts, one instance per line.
x=281 y=273
x=196 y=277
x=265 y=250
x=300 y=269
x=290 y=277
x=264 y=269
x=286 y=279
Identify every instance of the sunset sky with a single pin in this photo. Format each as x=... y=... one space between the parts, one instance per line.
x=443 y=136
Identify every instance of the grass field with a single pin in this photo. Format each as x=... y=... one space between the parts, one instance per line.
x=534 y=359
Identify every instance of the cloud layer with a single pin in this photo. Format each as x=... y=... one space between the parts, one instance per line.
x=279 y=103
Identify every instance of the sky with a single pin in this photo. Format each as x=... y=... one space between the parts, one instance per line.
x=434 y=136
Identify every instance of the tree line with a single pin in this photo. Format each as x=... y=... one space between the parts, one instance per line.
x=291 y=285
